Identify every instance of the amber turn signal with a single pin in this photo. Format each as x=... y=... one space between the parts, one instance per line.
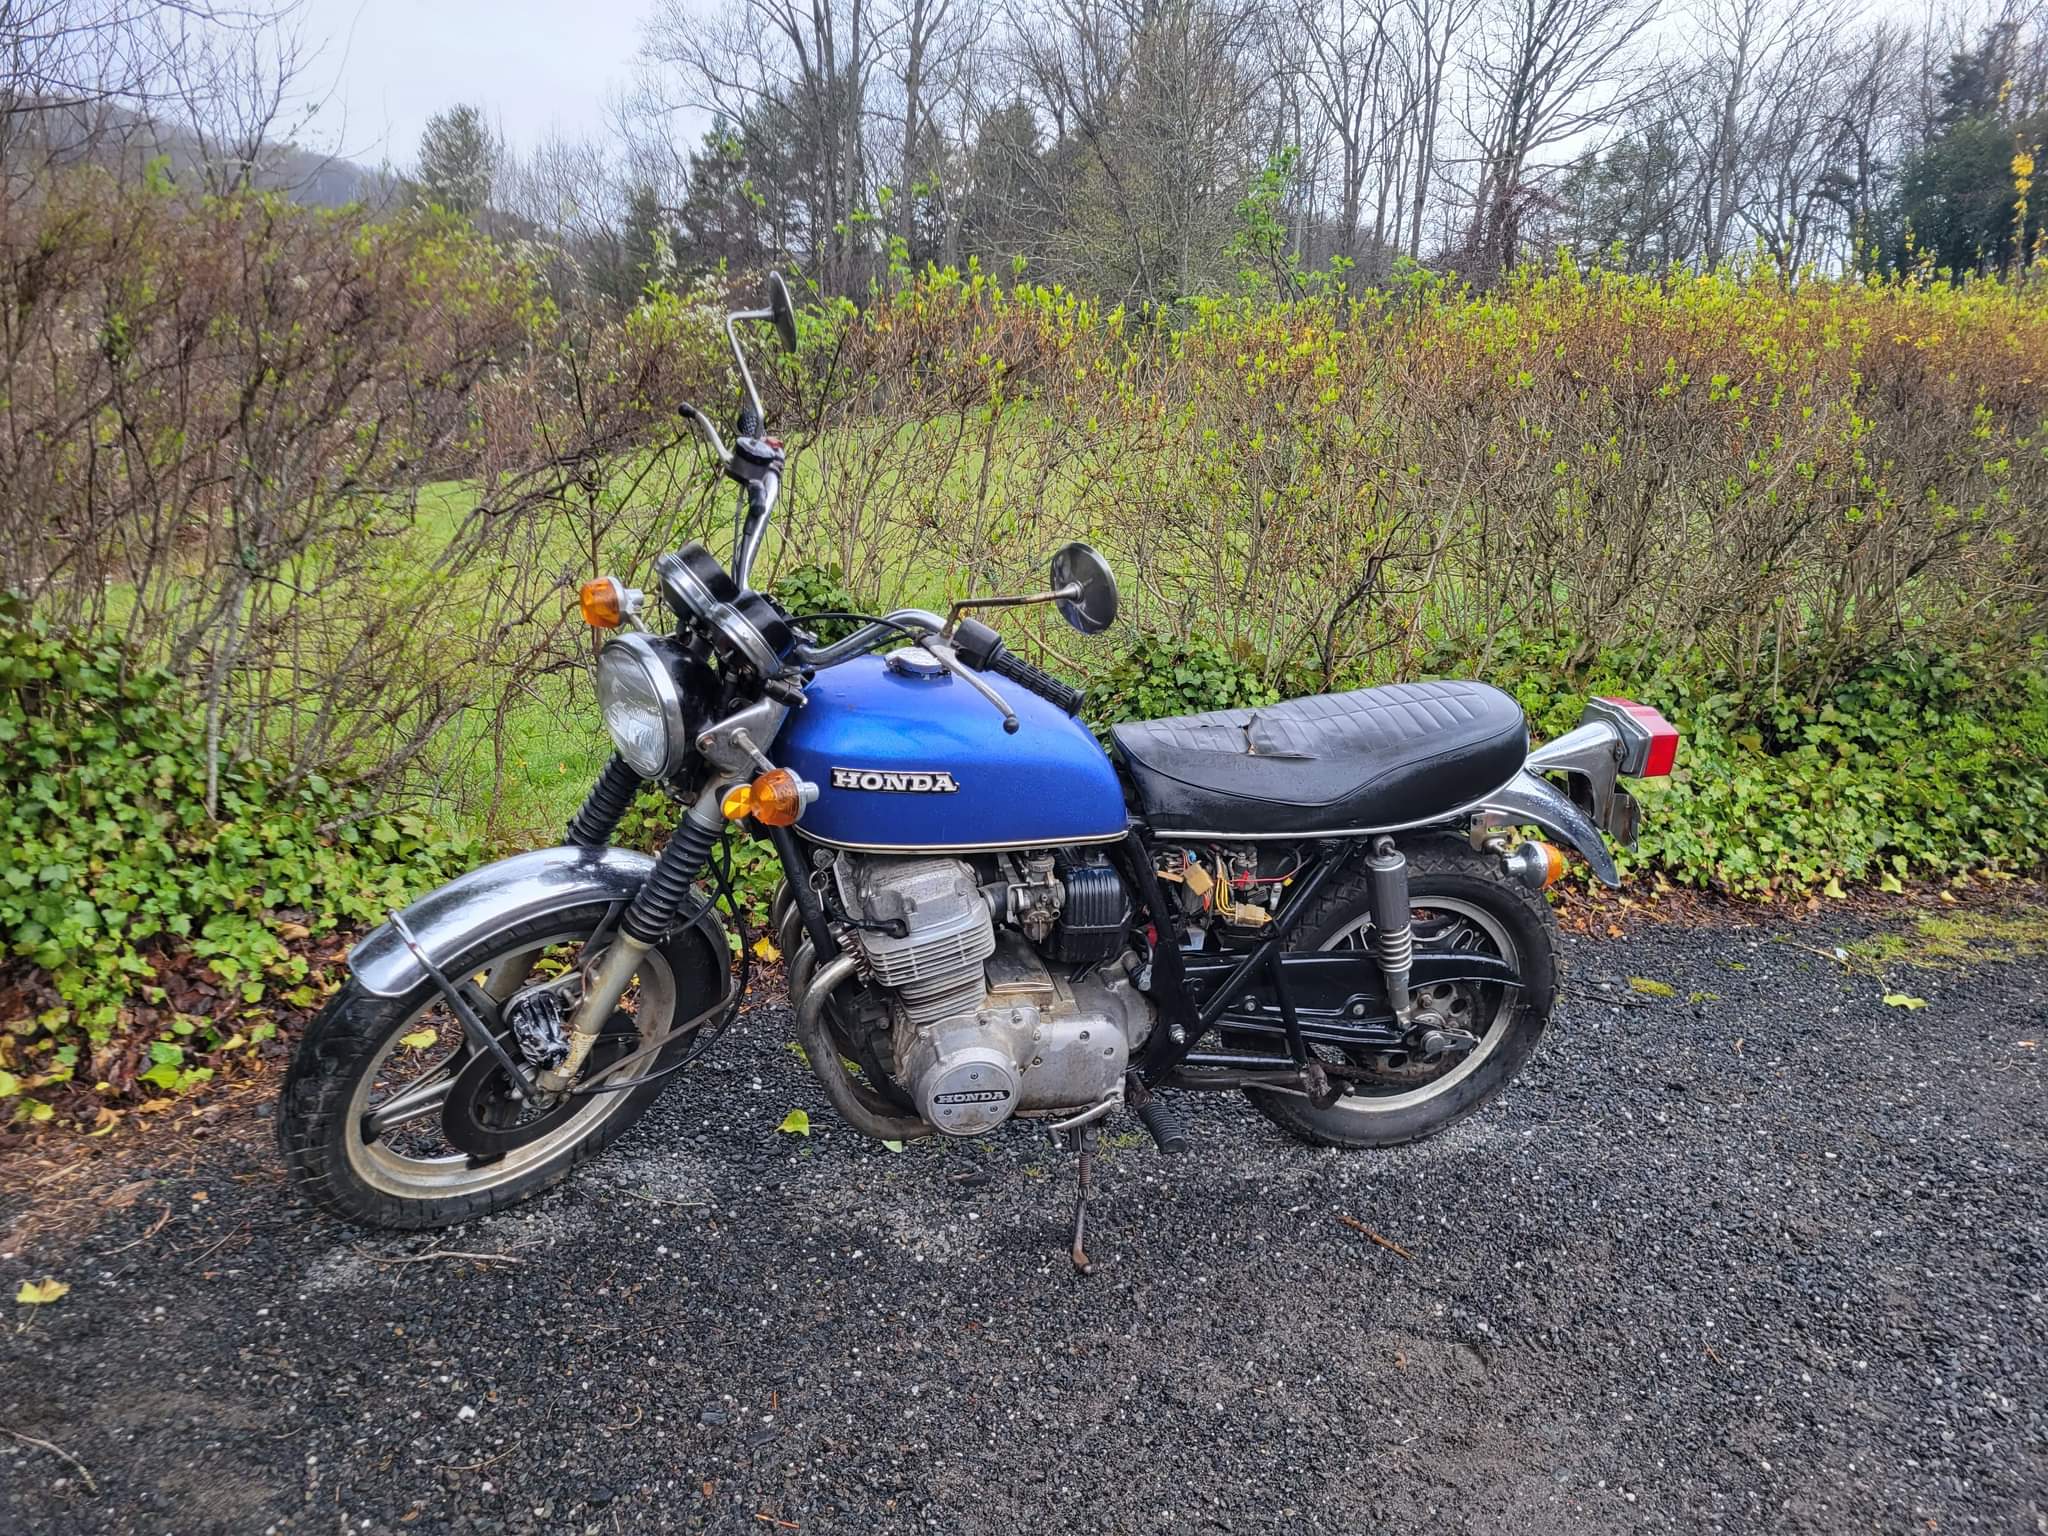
x=603 y=602
x=778 y=798
x=1537 y=865
x=738 y=803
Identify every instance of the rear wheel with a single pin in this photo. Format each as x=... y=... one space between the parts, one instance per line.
x=391 y=1119
x=1459 y=899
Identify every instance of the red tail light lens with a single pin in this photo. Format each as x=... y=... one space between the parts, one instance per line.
x=1649 y=741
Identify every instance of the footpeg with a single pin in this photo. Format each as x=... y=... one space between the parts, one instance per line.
x=1158 y=1118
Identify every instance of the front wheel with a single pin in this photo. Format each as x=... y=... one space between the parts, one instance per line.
x=1459 y=899
x=390 y=1119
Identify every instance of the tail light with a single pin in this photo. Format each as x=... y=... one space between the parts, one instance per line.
x=1649 y=742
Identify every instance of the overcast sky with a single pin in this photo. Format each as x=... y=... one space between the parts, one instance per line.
x=531 y=65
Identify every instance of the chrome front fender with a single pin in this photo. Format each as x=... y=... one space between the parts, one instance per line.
x=477 y=907
x=1526 y=800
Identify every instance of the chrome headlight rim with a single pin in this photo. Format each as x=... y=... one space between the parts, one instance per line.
x=652 y=657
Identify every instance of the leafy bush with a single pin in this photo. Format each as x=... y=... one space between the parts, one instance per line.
x=114 y=861
x=1915 y=767
x=817 y=589
x=1791 y=480
x=1157 y=676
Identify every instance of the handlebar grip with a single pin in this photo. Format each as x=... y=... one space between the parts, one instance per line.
x=1062 y=696
x=750 y=422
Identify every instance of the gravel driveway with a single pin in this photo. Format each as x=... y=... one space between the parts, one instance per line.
x=1763 y=1255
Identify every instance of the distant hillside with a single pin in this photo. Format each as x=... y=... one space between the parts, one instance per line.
x=127 y=142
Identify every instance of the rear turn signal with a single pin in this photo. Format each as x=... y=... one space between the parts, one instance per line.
x=603 y=602
x=1537 y=865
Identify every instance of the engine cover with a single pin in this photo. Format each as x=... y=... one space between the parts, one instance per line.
x=982 y=1029
x=1040 y=1043
x=968 y=1086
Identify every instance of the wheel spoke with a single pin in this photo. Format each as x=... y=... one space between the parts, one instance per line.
x=413 y=1102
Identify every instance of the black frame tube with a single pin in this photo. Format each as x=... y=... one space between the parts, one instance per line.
x=824 y=946
x=1163 y=1053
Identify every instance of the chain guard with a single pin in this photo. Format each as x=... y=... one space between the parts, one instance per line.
x=481 y=1117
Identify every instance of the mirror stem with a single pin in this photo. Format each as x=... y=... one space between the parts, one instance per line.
x=1069 y=592
x=739 y=354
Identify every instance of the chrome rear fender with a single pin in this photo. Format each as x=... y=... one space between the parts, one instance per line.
x=1526 y=800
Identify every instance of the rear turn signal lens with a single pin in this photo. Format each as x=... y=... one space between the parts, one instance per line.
x=603 y=602
x=778 y=798
x=1537 y=865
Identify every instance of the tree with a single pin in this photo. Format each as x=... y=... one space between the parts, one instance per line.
x=1005 y=204
x=459 y=160
x=1547 y=72
x=1631 y=202
x=805 y=68
x=1962 y=202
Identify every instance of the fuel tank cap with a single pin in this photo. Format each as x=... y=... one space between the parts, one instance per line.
x=915 y=661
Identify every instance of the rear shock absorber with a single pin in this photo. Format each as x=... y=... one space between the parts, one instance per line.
x=1393 y=932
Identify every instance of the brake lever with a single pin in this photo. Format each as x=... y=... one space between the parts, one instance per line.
x=710 y=433
x=943 y=654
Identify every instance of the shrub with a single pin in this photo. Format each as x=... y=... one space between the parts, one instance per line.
x=1916 y=767
x=114 y=861
x=1155 y=677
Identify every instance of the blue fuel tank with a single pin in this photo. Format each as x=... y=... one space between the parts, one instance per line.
x=907 y=762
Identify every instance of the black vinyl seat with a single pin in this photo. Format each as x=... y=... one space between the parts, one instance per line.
x=1376 y=757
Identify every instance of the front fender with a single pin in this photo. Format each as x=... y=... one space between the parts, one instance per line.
x=479 y=906
x=1526 y=800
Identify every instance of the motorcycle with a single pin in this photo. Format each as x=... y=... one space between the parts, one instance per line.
x=1329 y=905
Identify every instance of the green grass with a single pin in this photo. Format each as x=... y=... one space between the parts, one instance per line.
x=1957 y=939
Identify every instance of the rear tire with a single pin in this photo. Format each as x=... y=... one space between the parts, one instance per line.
x=330 y=1091
x=1461 y=890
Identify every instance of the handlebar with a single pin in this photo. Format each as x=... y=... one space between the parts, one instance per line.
x=868 y=636
x=1062 y=696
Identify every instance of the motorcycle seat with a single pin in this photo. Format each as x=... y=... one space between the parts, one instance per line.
x=1374 y=758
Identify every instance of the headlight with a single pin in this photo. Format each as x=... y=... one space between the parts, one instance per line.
x=642 y=707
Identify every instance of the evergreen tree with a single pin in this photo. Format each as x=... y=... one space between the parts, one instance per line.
x=458 y=161
x=1960 y=205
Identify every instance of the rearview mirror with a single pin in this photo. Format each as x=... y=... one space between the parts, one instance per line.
x=781 y=311
x=1092 y=607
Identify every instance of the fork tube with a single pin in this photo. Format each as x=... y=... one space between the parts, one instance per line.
x=646 y=923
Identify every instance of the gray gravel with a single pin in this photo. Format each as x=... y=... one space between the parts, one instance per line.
x=1770 y=1260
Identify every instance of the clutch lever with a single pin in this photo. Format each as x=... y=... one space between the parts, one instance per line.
x=710 y=433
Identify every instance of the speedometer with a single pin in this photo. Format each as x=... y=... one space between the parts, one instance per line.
x=694 y=583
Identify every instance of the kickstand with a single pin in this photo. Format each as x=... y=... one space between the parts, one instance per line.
x=1082 y=1139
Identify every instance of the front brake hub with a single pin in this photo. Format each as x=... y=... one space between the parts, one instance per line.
x=484 y=1115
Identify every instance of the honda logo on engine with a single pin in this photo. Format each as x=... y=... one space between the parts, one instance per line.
x=901 y=783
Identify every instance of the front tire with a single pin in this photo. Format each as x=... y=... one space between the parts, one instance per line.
x=360 y=1116
x=1464 y=897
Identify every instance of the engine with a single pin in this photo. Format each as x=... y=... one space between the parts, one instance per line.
x=981 y=1025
